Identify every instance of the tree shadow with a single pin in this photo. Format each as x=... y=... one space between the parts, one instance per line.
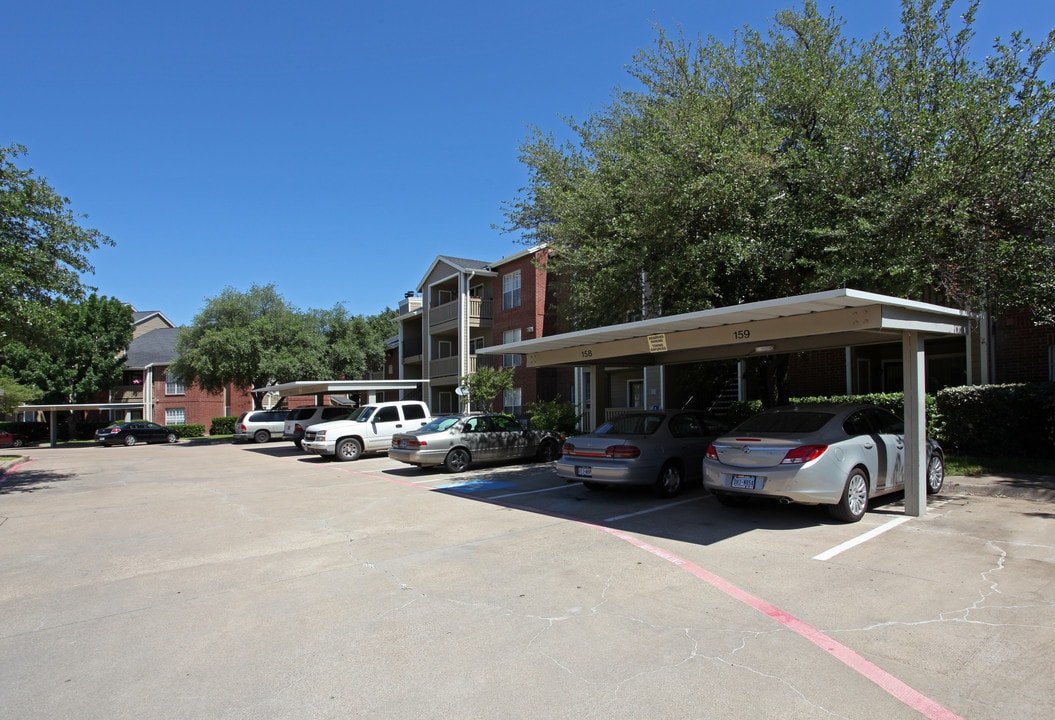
x=28 y=480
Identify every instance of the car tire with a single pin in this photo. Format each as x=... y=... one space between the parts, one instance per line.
x=548 y=451
x=347 y=449
x=172 y=438
x=594 y=486
x=130 y=440
x=854 y=503
x=17 y=442
x=457 y=460
x=671 y=481
x=262 y=436
x=935 y=474
x=299 y=444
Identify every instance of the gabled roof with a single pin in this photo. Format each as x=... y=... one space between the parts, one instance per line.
x=464 y=265
x=141 y=316
x=157 y=347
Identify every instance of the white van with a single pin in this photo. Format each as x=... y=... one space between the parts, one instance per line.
x=369 y=429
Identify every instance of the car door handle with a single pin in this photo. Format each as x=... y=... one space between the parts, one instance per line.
x=399 y=425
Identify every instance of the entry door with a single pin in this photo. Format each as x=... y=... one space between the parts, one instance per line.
x=635 y=394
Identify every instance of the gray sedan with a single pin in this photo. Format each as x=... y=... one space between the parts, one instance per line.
x=660 y=448
x=455 y=441
x=835 y=455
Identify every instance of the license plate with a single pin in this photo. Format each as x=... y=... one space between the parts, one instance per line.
x=402 y=444
x=583 y=471
x=746 y=482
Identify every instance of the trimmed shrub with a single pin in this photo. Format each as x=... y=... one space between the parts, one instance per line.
x=223 y=425
x=189 y=430
x=555 y=415
x=741 y=410
x=999 y=419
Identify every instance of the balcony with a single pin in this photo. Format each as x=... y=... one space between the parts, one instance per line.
x=445 y=316
x=448 y=370
x=127 y=394
x=412 y=352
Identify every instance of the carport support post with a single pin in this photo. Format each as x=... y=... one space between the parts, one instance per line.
x=914 y=362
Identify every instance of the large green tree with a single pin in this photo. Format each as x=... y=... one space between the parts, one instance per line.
x=43 y=251
x=798 y=160
x=82 y=356
x=256 y=338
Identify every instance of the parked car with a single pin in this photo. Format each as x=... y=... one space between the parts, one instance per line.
x=260 y=425
x=663 y=449
x=134 y=431
x=368 y=429
x=10 y=439
x=456 y=441
x=300 y=419
x=836 y=455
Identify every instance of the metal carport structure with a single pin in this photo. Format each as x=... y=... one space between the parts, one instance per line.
x=330 y=387
x=817 y=321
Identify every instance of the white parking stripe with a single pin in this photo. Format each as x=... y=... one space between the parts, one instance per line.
x=652 y=510
x=529 y=492
x=889 y=525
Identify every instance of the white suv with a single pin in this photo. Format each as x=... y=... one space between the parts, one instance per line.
x=300 y=419
x=369 y=429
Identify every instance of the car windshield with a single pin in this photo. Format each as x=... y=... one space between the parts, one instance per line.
x=440 y=423
x=792 y=421
x=362 y=414
x=631 y=425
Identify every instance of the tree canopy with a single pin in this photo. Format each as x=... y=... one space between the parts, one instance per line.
x=82 y=356
x=256 y=338
x=802 y=160
x=43 y=251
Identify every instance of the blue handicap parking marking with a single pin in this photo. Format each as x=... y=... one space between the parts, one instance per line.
x=479 y=485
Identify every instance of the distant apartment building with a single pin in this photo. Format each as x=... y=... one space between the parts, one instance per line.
x=462 y=305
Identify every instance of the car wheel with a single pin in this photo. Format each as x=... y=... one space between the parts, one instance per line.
x=670 y=481
x=262 y=436
x=299 y=444
x=548 y=451
x=130 y=440
x=594 y=486
x=17 y=442
x=172 y=438
x=854 y=502
x=348 y=449
x=935 y=474
x=457 y=460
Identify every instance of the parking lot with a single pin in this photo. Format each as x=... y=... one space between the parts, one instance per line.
x=255 y=581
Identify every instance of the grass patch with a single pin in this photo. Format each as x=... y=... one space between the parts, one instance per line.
x=973 y=465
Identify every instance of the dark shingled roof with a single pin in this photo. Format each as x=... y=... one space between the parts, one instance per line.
x=157 y=347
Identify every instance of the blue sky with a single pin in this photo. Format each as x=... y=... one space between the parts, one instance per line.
x=331 y=148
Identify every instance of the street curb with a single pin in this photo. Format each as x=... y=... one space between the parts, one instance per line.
x=1028 y=487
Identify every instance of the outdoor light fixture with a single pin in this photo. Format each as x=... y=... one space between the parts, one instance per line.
x=764 y=349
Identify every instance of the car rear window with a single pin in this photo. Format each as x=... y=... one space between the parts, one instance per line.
x=784 y=422
x=631 y=425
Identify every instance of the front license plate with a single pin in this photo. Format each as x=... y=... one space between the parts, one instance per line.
x=583 y=471
x=746 y=482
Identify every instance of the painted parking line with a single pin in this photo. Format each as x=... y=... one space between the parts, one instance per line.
x=854 y=542
x=616 y=518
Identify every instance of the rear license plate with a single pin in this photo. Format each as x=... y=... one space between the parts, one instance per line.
x=402 y=444
x=583 y=471
x=746 y=482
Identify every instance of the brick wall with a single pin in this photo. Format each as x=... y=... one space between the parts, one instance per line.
x=1021 y=348
x=818 y=372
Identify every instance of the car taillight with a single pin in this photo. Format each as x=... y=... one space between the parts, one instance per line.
x=568 y=449
x=711 y=453
x=622 y=451
x=243 y=427
x=297 y=427
x=803 y=454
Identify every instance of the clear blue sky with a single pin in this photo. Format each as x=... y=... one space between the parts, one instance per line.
x=330 y=147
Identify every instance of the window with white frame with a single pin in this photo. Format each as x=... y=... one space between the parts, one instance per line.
x=175 y=416
x=174 y=385
x=444 y=348
x=511 y=402
x=511 y=359
x=511 y=290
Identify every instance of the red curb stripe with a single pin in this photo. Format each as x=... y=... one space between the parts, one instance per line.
x=869 y=670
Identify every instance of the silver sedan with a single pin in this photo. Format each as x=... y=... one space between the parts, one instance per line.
x=659 y=448
x=835 y=455
x=455 y=441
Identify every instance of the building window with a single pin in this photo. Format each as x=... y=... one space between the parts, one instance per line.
x=475 y=344
x=446 y=403
x=444 y=349
x=511 y=290
x=173 y=385
x=512 y=359
x=476 y=291
x=511 y=402
x=175 y=416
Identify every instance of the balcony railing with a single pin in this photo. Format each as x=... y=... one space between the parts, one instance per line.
x=480 y=309
x=449 y=366
x=127 y=394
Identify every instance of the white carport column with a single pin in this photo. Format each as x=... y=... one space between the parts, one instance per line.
x=914 y=361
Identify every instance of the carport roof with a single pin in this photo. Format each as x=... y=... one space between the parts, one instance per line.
x=830 y=319
x=319 y=387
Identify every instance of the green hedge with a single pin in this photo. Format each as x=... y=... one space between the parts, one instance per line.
x=998 y=419
x=223 y=425
x=189 y=430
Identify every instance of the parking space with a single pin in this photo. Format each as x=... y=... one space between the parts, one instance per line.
x=258 y=581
